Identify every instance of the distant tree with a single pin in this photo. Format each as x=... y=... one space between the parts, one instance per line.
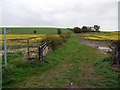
x=35 y=31
x=90 y=29
x=96 y=27
x=77 y=30
x=84 y=29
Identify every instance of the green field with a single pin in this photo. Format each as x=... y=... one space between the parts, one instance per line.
x=38 y=30
x=73 y=62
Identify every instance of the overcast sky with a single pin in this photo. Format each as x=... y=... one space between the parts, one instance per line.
x=60 y=13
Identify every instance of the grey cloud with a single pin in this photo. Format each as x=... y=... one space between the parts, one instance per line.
x=119 y=16
x=67 y=13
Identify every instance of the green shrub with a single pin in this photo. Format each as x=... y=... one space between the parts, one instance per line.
x=77 y=30
x=58 y=40
x=55 y=41
x=59 y=31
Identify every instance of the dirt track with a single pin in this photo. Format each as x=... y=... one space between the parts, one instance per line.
x=95 y=44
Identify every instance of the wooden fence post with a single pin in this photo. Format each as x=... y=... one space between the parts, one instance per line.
x=40 y=53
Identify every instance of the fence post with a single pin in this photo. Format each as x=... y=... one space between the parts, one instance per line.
x=5 y=47
x=40 y=53
x=28 y=52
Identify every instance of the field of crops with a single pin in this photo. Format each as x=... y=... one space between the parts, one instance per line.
x=21 y=39
x=22 y=30
x=19 y=36
x=102 y=36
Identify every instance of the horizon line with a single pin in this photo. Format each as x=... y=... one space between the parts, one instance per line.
x=47 y=27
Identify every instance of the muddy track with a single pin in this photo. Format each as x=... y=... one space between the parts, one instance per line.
x=95 y=44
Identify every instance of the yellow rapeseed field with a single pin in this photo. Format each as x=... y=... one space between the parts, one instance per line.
x=102 y=36
x=21 y=36
x=21 y=39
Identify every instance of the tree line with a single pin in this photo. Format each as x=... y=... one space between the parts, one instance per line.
x=85 y=29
